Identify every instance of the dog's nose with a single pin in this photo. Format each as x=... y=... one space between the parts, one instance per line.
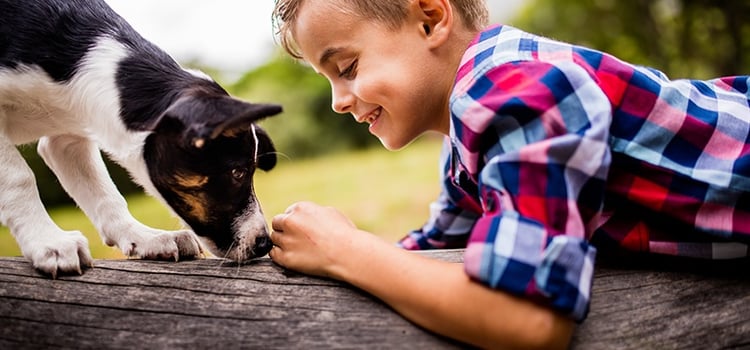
x=263 y=245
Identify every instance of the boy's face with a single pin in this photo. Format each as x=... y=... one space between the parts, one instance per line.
x=384 y=77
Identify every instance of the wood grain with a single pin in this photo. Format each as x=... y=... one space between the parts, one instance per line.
x=212 y=303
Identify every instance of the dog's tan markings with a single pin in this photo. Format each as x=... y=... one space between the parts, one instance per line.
x=190 y=181
x=232 y=133
x=198 y=208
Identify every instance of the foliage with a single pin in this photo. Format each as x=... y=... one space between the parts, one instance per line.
x=684 y=38
x=308 y=127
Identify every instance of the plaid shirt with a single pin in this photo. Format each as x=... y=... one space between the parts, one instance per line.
x=555 y=148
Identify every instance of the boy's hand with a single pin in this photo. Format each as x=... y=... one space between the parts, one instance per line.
x=313 y=239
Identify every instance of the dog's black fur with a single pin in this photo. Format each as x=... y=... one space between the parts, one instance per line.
x=199 y=147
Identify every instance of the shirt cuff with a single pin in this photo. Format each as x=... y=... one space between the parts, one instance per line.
x=560 y=276
x=416 y=240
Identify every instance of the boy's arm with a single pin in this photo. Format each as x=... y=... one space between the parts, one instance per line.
x=436 y=295
x=441 y=297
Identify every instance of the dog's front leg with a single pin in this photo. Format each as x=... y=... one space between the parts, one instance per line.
x=50 y=249
x=79 y=166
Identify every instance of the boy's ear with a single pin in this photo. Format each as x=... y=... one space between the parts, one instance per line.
x=436 y=20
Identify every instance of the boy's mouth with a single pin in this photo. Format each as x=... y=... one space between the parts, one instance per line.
x=371 y=117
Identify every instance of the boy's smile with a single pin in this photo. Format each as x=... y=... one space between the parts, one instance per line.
x=393 y=79
x=370 y=118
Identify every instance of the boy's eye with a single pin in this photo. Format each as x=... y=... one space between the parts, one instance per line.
x=350 y=71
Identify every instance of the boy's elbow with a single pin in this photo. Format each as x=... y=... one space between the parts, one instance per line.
x=549 y=330
x=542 y=329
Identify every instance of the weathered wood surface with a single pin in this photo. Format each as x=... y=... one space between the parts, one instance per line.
x=213 y=304
x=653 y=302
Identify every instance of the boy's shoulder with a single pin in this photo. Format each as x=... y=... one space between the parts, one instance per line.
x=502 y=44
x=496 y=46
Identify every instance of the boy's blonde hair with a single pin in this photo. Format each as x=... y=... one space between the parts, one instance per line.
x=392 y=13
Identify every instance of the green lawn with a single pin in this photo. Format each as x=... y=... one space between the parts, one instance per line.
x=383 y=192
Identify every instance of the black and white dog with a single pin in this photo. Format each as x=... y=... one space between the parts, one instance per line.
x=77 y=78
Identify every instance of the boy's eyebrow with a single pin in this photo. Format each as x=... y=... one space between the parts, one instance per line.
x=327 y=54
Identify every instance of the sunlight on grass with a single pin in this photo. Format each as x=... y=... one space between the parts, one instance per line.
x=386 y=193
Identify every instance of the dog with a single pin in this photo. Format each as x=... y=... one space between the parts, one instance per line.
x=77 y=78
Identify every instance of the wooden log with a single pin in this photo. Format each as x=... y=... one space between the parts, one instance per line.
x=196 y=304
x=212 y=303
x=659 y=302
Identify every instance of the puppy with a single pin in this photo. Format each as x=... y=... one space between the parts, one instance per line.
x=75 y=77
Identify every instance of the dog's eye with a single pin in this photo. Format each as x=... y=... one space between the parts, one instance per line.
x=239 y=173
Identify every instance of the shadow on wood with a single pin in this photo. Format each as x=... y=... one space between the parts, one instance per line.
x=210 y=303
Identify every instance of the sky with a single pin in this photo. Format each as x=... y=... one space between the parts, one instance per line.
x=232 y=36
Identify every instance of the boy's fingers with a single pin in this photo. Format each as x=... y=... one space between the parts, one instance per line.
x=275 y=254
x=276 y=237
x=291 y=208
x=277 y=223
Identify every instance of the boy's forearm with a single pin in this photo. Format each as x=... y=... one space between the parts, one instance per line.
x=440 y=297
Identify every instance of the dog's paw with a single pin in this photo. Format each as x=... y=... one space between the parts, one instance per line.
x=163 y=245
x=65 y=252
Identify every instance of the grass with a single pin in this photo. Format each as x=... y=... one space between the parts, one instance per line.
x=386 y=193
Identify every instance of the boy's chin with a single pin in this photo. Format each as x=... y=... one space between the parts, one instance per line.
x=394 y=144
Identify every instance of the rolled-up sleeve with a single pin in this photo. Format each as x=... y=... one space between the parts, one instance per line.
x=542 y=184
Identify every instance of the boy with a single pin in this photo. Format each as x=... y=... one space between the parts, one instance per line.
x=549 y=148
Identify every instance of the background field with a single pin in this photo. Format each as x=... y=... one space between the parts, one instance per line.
x=384 y=192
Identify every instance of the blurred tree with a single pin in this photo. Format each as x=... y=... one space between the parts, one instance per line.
x=683 y=38
x=308 y=126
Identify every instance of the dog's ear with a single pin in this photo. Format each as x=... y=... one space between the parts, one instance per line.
x=200 y=119
x=266 y=150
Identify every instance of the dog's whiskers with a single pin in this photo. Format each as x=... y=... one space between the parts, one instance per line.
x=241 y=252
x=225 y=257
x=229 y=251
x=278 y=154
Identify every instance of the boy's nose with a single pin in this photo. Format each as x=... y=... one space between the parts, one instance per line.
x=343 y=101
